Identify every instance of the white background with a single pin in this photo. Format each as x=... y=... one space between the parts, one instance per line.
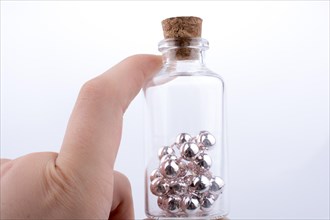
x=274 y=57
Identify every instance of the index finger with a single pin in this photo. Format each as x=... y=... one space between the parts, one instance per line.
x=93 y=133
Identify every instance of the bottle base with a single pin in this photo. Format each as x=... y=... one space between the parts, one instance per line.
x=213 y=216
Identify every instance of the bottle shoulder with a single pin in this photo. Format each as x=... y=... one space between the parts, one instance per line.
x=202 y=75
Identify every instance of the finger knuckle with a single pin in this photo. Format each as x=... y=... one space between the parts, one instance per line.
x=92 y=89
x=58 y=186
x=99 y=89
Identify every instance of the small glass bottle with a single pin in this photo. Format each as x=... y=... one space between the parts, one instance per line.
x=186 y=167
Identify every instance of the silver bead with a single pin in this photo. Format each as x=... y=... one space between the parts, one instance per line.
x=159 y=187
x=182 y=138
x=172 y=204
x=190 y=204
x=200 y=184
x=189 y=150
x=203 y=162
x=164 y=151
x=170 y=169
x=178 y=187
x=207 y=202
x=168 y=157
x=206 y=140
x=216 y=185
x=155 y=174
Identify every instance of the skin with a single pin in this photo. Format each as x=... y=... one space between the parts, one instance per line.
x=80 y=182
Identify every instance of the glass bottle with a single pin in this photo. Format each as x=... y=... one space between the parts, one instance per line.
x=186 y=167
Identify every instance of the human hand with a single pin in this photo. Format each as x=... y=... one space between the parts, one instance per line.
x=79 y=182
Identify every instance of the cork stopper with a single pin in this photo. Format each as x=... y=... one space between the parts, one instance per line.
x=182 y=29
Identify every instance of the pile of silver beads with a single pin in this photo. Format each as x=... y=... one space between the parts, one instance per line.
x=183 y=181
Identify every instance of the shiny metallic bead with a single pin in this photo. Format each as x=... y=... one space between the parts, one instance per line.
x=216 y=185
x=170 y=169
x=178 y=187
x=189 y=150
x=165 y=151
x=159 y=187
x=182 y=138
x=206 y=140
x=200 y=184
x=207 y=202
x=203 y=162
x=168 y=157
x=155 y=174
x=172 y=204
x=190 y=204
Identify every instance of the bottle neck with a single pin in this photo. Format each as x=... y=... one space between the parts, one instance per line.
x=183 y=54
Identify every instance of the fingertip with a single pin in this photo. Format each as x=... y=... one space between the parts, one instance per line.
x=155 y=59
x=149 y=63
x=134 y=72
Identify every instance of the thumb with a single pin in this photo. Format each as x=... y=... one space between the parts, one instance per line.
x=93 y=133
x=122 y=203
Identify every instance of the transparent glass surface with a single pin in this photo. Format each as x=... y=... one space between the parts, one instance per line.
x=185 y=97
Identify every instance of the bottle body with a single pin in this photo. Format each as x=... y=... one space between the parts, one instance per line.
x=186 y=170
